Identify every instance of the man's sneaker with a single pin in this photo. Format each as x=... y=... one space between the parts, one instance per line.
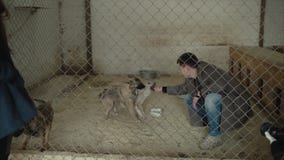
x=211 y=142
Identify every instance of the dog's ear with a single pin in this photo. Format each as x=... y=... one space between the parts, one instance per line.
x=140 y=86
x=139 y=83
x=136 y=83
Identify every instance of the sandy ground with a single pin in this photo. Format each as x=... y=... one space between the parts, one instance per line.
x=80 y=125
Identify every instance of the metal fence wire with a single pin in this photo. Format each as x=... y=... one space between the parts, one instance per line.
x=69 y=51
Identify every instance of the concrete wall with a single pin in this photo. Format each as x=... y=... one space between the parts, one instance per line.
x=129 y=35
x=274 y=23
x=73 y=44
x=33 y=38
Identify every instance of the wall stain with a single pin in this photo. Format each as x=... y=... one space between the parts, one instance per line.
x=203 y=35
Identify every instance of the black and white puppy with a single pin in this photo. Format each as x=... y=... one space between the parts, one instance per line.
x=142 y=94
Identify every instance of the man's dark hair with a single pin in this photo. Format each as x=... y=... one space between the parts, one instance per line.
x=188 y=59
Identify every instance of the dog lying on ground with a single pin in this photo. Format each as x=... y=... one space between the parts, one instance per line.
x=40 y=125
x=131 y=95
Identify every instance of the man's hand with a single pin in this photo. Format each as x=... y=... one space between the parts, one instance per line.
x=195 y=100
x=158 y=88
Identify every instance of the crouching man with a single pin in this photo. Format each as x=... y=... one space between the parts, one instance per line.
x=213 y=97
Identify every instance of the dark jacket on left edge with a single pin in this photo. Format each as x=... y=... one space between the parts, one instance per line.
x=16 y=106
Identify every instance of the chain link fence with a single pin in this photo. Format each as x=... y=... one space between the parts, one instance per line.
x=69 y=51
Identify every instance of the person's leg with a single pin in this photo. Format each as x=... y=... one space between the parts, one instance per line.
x=199 y=119
x=5 y=144
x=213 y=108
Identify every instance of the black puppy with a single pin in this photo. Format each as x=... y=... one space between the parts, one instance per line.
x=276 y=137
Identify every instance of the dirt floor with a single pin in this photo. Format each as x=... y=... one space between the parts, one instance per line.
x=80 y=125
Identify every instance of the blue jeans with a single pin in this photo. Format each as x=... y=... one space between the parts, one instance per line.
x=209 y=109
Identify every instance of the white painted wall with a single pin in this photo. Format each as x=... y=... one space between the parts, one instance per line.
x=74 y=35
x=33 y=38
x=129 y=35
x=274 y=23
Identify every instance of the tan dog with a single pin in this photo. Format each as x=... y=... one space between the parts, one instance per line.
x=40 y=125
x=131 y=95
